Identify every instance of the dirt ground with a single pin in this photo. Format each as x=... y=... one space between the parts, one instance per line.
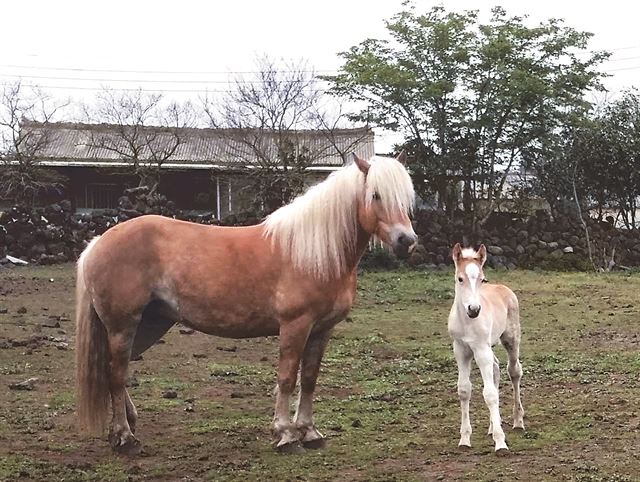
x=387 y=392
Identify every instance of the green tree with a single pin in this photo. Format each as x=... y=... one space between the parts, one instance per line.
x=620 y=145
x=472 y=99
x=598 y=156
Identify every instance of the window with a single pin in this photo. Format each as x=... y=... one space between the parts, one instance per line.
x=100 y=196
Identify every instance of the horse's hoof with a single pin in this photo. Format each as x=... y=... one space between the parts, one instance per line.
x=518 y=428
x=130 y=448
x=464 y=448
x=128 y=445
x=502 y=452
x=290 y=448
x=316 y=444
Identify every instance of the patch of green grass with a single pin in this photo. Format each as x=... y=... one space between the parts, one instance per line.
x=62 y=400
x=228 y=422
x=111 y=471
x=386 y=397
x=14 y=467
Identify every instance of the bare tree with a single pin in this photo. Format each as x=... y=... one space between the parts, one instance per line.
x=142 y=130
x=23 y=178
x=273 y=129
x=332 y=119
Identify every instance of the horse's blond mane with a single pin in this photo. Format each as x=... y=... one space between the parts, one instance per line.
x=319 y=228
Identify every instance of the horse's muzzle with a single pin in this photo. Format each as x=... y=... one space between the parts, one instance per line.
x=473 y=311
x=404 y=245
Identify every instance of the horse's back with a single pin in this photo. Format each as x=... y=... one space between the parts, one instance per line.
x=152 y=257
x=504 y=294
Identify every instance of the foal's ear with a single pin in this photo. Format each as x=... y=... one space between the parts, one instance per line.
x=361 y=163
x=482 y=254
x=402 y=157
x=456 y=253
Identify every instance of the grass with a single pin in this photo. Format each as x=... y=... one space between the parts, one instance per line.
x=386 y=398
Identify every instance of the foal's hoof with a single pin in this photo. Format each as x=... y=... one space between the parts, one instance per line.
x=316 y=444
x=290 y=448
x=502 y=452
x=464 y=447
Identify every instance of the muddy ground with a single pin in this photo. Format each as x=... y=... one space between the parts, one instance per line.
x=387 y=394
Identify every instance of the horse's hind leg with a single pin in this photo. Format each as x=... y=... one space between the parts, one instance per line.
x=132 y=413
x=512 y=345
x=153 y=326
x=121 y=436
x=309 y=369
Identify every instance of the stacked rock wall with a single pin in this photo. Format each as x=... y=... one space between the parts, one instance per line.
x=56 y=234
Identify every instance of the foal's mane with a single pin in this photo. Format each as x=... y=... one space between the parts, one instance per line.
x=469 y=253
x=319 y=228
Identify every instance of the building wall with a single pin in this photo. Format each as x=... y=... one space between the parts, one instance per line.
x=221 y=193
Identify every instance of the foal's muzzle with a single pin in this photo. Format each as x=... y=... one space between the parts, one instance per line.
x=403 y=244
x=473 y=311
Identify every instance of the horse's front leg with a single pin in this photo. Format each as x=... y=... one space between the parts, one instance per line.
x=293 y=338
x=463 y=358
x=485 y=361
x=309 y=369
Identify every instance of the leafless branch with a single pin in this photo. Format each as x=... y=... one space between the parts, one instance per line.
x=140 y=130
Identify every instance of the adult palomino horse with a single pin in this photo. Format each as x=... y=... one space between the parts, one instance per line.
x=293 y=275
x=481 y=315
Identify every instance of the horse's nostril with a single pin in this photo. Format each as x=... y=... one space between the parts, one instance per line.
x=405 y=240
x=473 y=311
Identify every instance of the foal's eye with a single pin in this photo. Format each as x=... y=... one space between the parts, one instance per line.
x=460 y=279
x=376 y=196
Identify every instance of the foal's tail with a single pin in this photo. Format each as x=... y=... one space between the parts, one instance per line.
x=92 y=359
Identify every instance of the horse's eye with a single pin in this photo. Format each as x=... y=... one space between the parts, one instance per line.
x=460 y=279
x=376 y=196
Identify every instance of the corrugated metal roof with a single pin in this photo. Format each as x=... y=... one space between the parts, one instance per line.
x=74 y=144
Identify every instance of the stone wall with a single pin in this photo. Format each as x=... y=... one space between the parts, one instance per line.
x=55 y=234
x=535 y=241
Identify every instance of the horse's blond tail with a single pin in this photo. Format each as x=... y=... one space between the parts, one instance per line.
x=92 y=360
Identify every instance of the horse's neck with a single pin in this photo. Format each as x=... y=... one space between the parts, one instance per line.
x=362 y=242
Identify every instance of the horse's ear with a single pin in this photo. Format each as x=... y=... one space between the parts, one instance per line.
x=456 y=253
x=402 y=157
x=482 y=254
x=361 y=163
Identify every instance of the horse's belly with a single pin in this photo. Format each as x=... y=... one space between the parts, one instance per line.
x=232 y=325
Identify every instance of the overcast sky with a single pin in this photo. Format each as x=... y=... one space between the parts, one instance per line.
x=202 y=41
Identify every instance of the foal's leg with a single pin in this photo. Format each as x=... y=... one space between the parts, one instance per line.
x=310 y=366
x=485 y=359
x=515 y=374
x=120 y=434
x=496 y=382
x=463 y=356
x=293 y=338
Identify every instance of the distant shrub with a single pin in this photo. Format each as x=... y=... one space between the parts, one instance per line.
x=379 y=259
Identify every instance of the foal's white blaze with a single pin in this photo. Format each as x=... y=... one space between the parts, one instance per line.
x=472 y=271
x=472 y=299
